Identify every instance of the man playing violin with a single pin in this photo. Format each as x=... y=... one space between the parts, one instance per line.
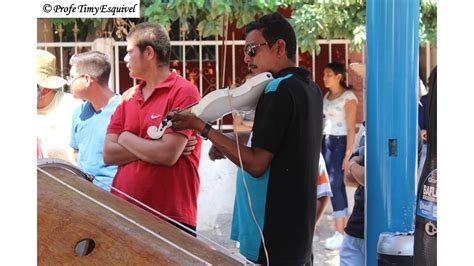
x=278 y=164
x=152 y=170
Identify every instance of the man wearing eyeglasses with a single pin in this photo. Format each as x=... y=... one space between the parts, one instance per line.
x=54 y=110
x=88 y=80
x=280 y=161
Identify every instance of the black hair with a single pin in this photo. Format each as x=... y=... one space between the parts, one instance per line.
x=275 y=27
x=153 y=35
x=339 y=68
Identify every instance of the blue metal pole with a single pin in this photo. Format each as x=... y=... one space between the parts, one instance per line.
x=392 y=76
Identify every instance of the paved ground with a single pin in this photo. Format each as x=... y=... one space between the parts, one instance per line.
x=216 y=202
x=322 y=256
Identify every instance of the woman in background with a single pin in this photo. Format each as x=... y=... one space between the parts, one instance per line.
x=340 y=106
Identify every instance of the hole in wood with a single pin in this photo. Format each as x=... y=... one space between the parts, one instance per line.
x=84 y=247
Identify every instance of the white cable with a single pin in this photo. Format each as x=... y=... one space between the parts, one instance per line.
x=245 y=185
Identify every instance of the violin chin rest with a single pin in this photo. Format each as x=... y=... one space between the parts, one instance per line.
x=243 y=98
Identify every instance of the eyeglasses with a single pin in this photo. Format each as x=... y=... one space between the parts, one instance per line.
x=251 y=48
x=71 y=79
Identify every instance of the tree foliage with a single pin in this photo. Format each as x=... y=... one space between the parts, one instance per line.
x=329 y=20
x=312 y=20
x=428 y=22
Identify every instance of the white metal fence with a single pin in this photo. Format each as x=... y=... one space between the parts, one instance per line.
x=234 y=45
x=235 y=48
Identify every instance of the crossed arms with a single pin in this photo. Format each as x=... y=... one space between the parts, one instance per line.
x=127 y=147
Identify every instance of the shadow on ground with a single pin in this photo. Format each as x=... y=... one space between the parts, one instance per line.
x=322 y=256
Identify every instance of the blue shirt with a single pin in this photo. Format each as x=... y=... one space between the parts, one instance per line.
x=88 y=135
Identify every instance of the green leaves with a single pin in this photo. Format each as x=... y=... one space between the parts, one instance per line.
x=311 y=19
x=329 y=20
x=308 y=23
x=155 y=12
x=209 y=28
x=63 y=21
x=428 y=22
x=346 y=19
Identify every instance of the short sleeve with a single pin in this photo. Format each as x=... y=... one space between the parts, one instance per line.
x=349 y=95
x=116 y=123
x=75 y=116
x=185 y=96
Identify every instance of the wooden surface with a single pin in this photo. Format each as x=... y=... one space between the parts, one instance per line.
x=66 y=217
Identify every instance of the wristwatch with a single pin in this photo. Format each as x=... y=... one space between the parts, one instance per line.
x=205 y=131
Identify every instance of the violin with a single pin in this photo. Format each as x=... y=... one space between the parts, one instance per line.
x=219 y=103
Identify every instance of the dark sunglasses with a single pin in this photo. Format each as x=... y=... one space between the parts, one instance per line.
x=251 y=48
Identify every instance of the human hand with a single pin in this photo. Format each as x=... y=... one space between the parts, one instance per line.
x=316 y=233
x=192 y=141
x=345 y=162
x=424 y=135
x=238 y=119
x=185 y=120
x=215 y=153
x=356 y=159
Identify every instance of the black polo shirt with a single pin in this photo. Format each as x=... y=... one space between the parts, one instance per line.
x=288 y=123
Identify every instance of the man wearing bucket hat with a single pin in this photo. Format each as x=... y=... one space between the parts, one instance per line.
x=54 y=109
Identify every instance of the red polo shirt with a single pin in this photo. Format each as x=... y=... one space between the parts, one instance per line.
x=173 y=190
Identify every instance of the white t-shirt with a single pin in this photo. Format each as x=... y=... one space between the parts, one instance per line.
x=335 y=114
x=54 y=125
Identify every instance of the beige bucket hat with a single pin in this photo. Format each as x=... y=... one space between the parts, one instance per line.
x=46 y=70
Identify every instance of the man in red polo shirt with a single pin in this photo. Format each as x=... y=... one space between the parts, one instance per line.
x=153 y=171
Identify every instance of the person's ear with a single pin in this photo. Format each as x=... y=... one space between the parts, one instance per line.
x=281 y=47
x=89 y=79
x=149 y=52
